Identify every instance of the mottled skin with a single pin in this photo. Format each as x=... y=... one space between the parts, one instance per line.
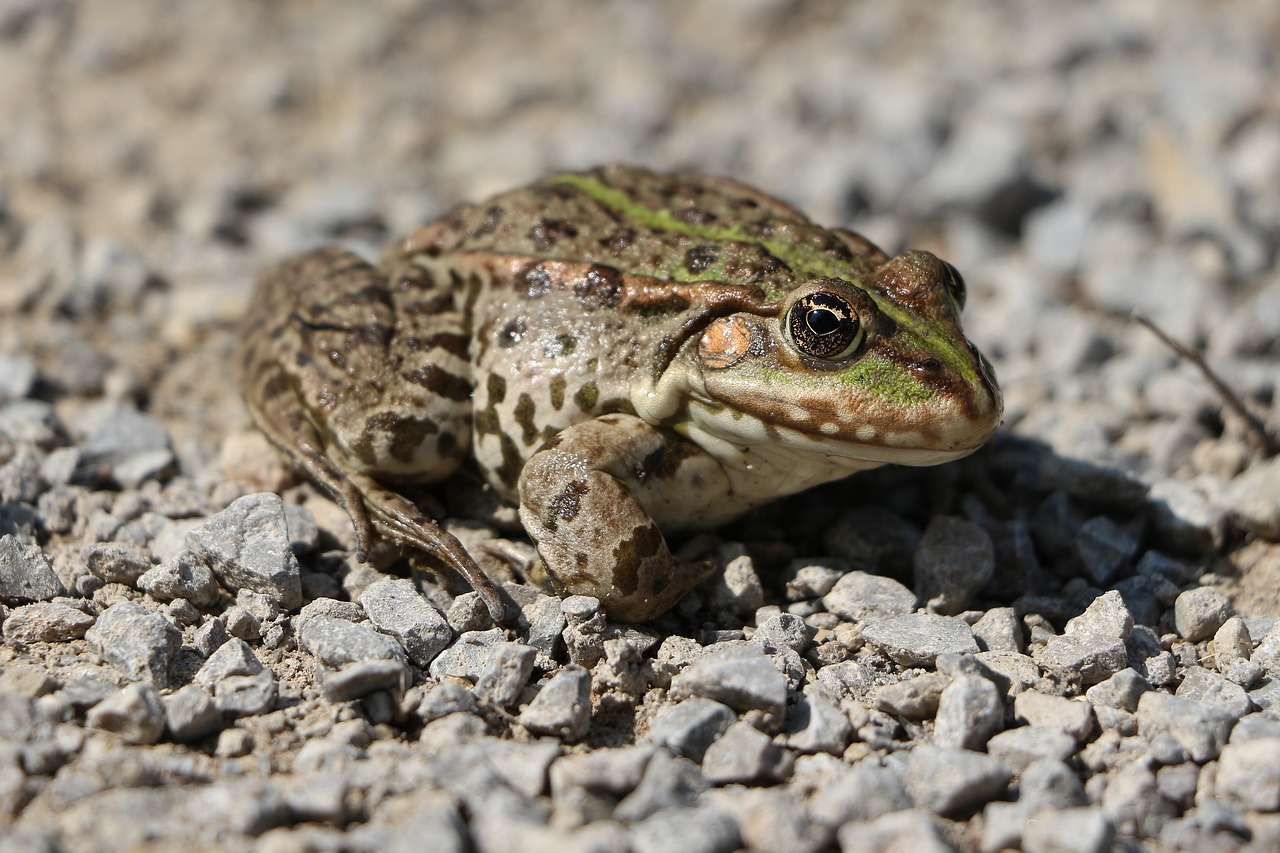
x=622 y=352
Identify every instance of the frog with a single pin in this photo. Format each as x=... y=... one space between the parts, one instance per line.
x=625 y=355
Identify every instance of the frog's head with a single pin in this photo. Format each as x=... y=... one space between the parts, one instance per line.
x=870 y=368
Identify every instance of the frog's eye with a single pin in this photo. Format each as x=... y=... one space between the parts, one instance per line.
x=955 y=283
x=824 y=325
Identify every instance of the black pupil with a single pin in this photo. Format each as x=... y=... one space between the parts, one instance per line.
x=823 y=325
x=823 y=321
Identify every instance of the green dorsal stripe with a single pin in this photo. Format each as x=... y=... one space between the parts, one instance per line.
x=798 y=258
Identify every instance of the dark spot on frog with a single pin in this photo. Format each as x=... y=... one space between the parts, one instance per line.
x=497 y=387
x=408 y=434
x=512 y=333
x=447 y=445
x=663 y=461
x=487 y=225
x=587 y=397
x=486 y=421
x=695 y=216
x=557 y=387
x=509 y=471
x=700 y=258
x=620 y=240
x=548 y=232
x=535 y=280
x=601 y=287
x=441 y=382
x=449 y=342
x=566 y=505
x=560 y=345
x=644 y=542
x=524 y=412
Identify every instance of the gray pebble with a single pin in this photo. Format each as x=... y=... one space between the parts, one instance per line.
x=917 y=639
x=337 y=642
x=183 y=576
x=737 y=589
x=1020 y=747
x=862 y=597
x=210 y=636
x=233 y=657
x=1255 y=727
x=442 y=699
x=686 y=830
x=17 y=375
x=1249 y=774
x=468 y=613
x=784 y=630
x=190 y=714
x=954 y=560
x=115 y=563
x=999 y=630
x=128 y=445
x=134 y=712
x=875 y=537
x=46 y=622
x=970 y=711
x=1201 y=729
x=247 y=546
x=395 y=607
x=861 y=793
x=1106 y=616
x=1086 y=657
x=541 y=623
x=304 y=533
x=913 y=698
x=746 y=755
x=32 y=422
x=1096 y=484
x=1209 y=687
x=951 y=781
x=1077 y=830
x=911 y=830
x=668 y=782
x=26 y=573
x=1104 y=548
x=1049 y=783
x=811 y=581
x=467 y=656
x=1253 y=498
x=364 y=678
x=1232 y=643
x=1071 y=716
x=815 y=724
x=505 y=673
x=246 y=695
x=689 y=727
x=1199 y=612
x=740 y=677
x=614 y=772
x=22 y=477
x=139 y=643
x=562 y=707
x=402 y=822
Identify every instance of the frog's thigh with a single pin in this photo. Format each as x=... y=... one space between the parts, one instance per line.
x=583 y=499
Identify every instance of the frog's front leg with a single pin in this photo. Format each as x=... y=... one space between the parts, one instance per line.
x=589 y=497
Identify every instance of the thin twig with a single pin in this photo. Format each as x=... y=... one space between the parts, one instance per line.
x=1270 y=444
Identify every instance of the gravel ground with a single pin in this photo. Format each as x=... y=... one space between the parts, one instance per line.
x=1067 y=642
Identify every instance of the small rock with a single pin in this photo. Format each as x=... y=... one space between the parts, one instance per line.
x=183 y=576
x=954 y=560
x=815 y=724
x=126 y=444
x=689 y=727
x=1088 y=657
x=1199 y=728
x=783 y=630
x=1209 y=687
x=1073 y=717
x=1021 y=747
x=467 y=657
x=1231 y=644
x=505 y=673
x=1048 y=783
x=999 y=630
x=1200 y=612
x=133 y=712
x=668 y=782
x=862 y=597
x=1106 y=616
x=233 y=657
x=744 y=754
x=1077 y=830
x=247 y=546
x=26 y=574
x=911 y=830
x=697 y=830
x=913 y=698
x=46 y=622
x=31 y=422
x=951 y=781
x=115 y=563
x=737 y=589
x=190 y=714
x=1253 y=498
x=917 y=639
x=1249 y=774
x=210 y=636
x=861 y=793
x=740 y=677
x=395 y=607
x=1104 y=548
x=562 y=707
x=812 y=581
x=138 y=643
x=365 y=678
x=337 y=642
x=245 y=695
x=970 y=711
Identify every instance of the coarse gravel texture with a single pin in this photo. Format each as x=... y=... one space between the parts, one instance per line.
x=1066 y=642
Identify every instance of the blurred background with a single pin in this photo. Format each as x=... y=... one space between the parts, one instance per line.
x=1077 y=161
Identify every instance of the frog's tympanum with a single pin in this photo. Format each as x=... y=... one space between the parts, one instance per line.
x=623 y=353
